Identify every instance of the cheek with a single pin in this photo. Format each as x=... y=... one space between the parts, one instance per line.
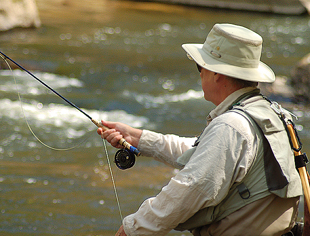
x=204 y=88
x=204 y=83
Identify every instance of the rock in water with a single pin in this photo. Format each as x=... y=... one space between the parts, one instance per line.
x=300 y=80
x=18 y=13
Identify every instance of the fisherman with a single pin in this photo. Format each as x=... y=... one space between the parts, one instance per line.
x=239 y=176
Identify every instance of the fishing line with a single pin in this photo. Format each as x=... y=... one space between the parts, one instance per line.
x=123 y=158
x=112 y=178
x=131 y=150
x=25 y=118
x=64 y=149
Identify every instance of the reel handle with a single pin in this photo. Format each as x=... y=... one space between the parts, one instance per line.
x=122 y=142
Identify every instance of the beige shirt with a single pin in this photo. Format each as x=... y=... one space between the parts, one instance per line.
x=216 y=164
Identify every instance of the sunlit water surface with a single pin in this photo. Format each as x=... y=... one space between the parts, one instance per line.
x=118 y=61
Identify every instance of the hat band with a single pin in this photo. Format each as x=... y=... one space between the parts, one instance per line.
x=230 y=59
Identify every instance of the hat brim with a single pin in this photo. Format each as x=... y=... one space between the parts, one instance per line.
x=262 y=73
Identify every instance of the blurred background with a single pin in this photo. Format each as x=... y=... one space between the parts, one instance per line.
x=118 y=61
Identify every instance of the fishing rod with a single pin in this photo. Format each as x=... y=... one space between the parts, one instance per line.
x=124 y=158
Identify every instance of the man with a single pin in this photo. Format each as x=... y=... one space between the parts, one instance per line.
x=238 y=177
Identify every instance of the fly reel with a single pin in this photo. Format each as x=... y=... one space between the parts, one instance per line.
x=124 y=159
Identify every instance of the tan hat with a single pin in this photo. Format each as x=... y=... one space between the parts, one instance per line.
x=234 y=51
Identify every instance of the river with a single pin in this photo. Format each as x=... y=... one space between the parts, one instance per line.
x=118 y=61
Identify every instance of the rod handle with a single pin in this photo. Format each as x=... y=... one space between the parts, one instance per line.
x=122 y=141
x=302 y=170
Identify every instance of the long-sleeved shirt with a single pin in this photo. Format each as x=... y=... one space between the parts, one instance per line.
x=226 y=150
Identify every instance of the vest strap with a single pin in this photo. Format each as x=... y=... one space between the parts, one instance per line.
x=301 y=160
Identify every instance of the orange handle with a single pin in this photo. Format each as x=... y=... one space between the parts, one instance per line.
x=302 y=170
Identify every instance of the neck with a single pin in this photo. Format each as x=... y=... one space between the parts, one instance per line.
x=225 y=89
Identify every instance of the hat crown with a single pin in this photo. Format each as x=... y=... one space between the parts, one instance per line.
x=234 y=45
x=233 y=51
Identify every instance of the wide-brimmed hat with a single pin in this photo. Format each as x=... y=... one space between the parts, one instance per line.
x=234 y=51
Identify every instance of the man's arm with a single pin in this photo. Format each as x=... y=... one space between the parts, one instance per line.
x=164 y=148
x=204 y=181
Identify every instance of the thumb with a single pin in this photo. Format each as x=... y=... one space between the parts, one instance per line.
x=110 y=125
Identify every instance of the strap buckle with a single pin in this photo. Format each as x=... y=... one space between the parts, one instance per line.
x=244 y=192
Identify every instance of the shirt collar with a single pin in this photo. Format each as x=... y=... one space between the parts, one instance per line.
x=223 y=106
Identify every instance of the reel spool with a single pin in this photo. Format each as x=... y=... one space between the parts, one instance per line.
x=124 y=159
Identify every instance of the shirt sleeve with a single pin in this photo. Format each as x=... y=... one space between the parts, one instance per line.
x=164 y=148
x=221 y=158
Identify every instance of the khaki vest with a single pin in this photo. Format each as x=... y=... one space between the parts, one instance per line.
x=272 y=171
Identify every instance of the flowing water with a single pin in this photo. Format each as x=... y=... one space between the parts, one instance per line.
x=118 y=61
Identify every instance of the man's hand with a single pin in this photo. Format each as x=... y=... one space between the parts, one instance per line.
x=121 y=232
x=119 y=130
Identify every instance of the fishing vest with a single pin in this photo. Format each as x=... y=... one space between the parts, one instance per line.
x=271 y=172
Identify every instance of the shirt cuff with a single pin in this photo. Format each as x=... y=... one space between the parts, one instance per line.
x=147 y=142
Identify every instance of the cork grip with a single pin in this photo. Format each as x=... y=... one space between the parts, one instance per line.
x=122 y=141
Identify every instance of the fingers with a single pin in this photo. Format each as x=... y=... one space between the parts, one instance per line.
x=100 y=131
x=121 y=232
x=116 y=131
x=109 y=125
x=111 y=135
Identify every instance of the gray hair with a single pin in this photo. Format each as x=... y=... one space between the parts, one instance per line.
x=242 y=83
